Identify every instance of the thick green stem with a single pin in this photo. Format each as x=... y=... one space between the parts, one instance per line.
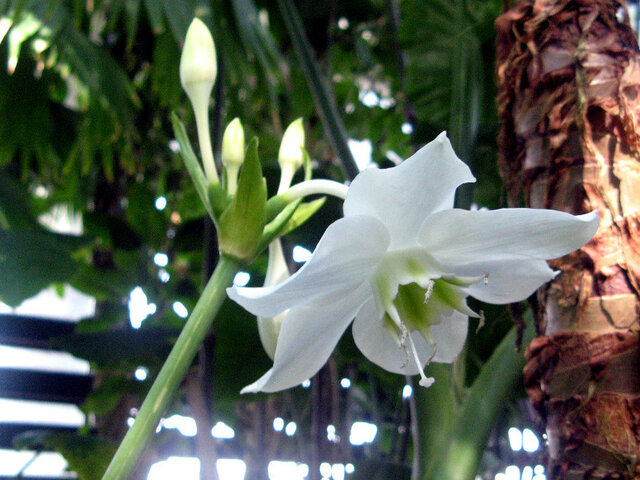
x=173 y=371
x=493 y=389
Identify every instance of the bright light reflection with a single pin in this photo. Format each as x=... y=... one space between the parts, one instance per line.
x=527 y=473
x=331 y=434
x=231 y=468
x=278 y=424
x=184 y=468
x=530 y=442
x=407 y=128
x=139 y=308
x=42 y=360
x=306 y=383
x=362 y=432
x=241 y=279
x=141 y=373
x=47 y=464
x=222 y=430
x=290 y=429
x=46 y=413
x=161 y=203
x=337 y=471
x=163 y=275
x=349 y=468
x=161 y=259
x=512 y=472
x=279 y=470
x=180 y=309
x=325 y=469
x=185 y=425
x=301 y=254
x=362 y=152
x=345 y=383
x=370 y=98
x=515 y=439
x=407 y=391
x=538 y=469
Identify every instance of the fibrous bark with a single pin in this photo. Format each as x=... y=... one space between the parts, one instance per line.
x=569 y=99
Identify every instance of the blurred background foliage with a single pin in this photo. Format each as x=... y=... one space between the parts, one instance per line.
x=86 y=90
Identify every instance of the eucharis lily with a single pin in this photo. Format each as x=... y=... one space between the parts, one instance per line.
x=400 y=265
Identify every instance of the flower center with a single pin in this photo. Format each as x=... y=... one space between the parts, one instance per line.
x=415 y=293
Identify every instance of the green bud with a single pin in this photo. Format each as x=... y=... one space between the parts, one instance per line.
x=291 y=156
x=233 y=144
x=233 y=153
x=292 y=145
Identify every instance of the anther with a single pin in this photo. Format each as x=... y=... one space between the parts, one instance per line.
x=429 y=291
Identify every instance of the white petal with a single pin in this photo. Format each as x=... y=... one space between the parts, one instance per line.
x=402 y=197
x=460 y=236
x=308 y=335
x=379 y=346
x=507 y=280
x=347 y=253
x=449 y=336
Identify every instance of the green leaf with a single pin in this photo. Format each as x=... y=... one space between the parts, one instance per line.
x=274 y=228
x=106 y=396
x=88 y=456
x=31 y=260
x=242 y=222
x=15 y=212
x=123 y=348
x=303 y=213
x=192 y=163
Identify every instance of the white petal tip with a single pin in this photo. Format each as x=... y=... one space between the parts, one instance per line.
x=442 y=137
x=427 y=382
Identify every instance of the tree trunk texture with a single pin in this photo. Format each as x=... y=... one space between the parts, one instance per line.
x=568 y=76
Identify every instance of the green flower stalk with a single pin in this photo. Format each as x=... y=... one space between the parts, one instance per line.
x=198 y=71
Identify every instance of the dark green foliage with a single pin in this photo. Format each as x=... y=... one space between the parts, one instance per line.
x=86 y=115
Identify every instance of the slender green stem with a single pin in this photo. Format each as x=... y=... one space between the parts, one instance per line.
x=173 y=371
x=201 y=111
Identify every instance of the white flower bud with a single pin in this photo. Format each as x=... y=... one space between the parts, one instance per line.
x=198 y=70
x=198 y=66
x=233 y=153
x=290 y=156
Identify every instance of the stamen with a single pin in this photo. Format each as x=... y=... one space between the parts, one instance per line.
x=429 y=292
x=424 y=380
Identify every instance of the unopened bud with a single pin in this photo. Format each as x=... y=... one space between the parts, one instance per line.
x=198 y=67
x=233 y=152
x=233 y=144
x=290 y=156
x=198 y=70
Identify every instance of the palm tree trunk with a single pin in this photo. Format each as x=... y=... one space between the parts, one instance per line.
x=569 y=99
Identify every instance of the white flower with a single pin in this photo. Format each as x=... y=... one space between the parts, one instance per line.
x=402 y=262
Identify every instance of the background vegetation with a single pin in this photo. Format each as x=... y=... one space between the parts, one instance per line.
x=86 y=91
